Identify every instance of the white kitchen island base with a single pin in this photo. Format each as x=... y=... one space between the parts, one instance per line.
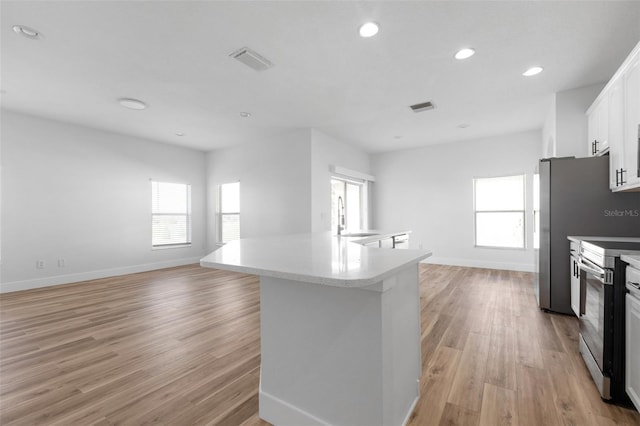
x=339 y=326
x=340 y=356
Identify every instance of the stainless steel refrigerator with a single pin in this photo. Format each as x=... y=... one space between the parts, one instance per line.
x=575 y=199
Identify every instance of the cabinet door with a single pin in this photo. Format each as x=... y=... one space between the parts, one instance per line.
x=602 y=133
x=386 y=243
x=598 y=126
x=632 y=349
x=616 y=132
x=592 y=131
x=632 y=122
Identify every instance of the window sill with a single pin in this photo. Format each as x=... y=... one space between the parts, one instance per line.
x=502 y=248
x=170 y=246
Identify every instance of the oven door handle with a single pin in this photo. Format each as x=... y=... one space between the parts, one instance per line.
x=598 y=272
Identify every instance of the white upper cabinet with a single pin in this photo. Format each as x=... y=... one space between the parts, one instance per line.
x=598 y=126
x=631 y=76
x=614 y=125
x=616 y=131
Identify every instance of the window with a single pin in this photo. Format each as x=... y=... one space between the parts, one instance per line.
x=499 y=211
x=229 y=212
x=352 y=194
x=170 y=214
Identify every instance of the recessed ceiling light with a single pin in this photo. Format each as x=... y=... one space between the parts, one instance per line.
x=465 y=53
x=369 y=29
x=179 y=134
x=26 y=31
x=132 y=103
x=245 y=114
x=532 y=71
x=463 y=125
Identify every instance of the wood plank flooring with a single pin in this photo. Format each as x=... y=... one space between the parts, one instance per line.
x=181 y=346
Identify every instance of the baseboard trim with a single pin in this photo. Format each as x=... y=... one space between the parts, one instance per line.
x=93 y=275
x=276 y=411
x=412 y=407
x=508 y=266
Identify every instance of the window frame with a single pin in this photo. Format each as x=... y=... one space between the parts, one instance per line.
x=187 y=215
x=220 y=214
x=523 y=212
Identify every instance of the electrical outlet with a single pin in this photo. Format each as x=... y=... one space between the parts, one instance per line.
x=39 y=264
x=61 y=263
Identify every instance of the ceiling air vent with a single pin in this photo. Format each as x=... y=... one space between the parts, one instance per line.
x=425 y=106
x=252 y=59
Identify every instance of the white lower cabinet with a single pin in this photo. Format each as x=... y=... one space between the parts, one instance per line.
x=386 y=243
x=632 y=350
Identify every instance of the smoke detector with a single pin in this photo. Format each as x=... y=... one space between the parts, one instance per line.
x=424 y=106
x=252 y=59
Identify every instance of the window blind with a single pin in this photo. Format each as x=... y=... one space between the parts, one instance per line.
x=170 y=214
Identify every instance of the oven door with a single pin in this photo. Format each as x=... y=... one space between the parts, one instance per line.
x=595 y=323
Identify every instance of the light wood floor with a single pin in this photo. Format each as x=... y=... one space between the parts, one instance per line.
x=181 y=346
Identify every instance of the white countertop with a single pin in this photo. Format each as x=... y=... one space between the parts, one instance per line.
x=631 y=259
x=319 y=258
x=578 y=239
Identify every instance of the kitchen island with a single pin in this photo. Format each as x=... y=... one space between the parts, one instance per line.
x=340 y=327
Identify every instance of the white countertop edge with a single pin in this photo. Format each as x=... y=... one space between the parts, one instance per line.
x=319 y=279
x=581 y=238
x=632 y=260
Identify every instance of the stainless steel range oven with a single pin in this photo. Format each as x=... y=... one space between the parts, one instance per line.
x=602 y=321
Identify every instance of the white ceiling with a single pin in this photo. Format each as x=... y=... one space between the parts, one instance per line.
x=174 y=55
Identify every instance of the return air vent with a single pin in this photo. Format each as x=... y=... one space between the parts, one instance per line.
x=252 y=59
x=425 y=106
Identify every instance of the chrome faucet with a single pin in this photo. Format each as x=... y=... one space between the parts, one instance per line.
x=340 y=216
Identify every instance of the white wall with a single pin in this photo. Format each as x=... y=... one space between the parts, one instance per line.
x=275 y=182
x=83 y=195
x=430 y=191
x=565 y=129
x=571 y=119
x=549 y=133
x=327 y=151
